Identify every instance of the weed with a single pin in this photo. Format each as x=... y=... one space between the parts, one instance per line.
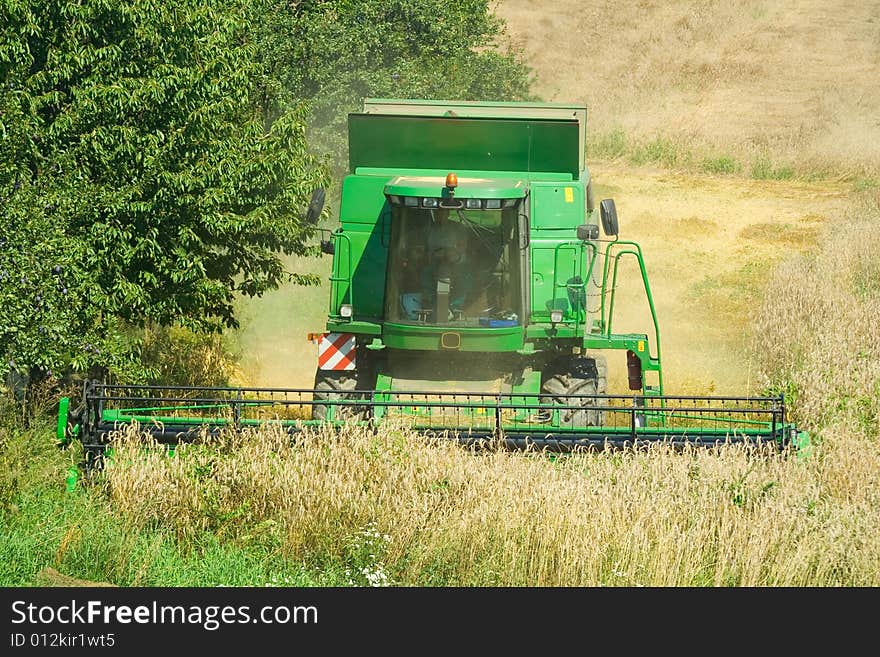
x=865 y=183
x=663 y=151
x=722 y=164
x=764 y=169
x=608 y=146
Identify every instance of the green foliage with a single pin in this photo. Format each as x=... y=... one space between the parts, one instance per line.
x=153 y=155
x=45 y=297
x=143 y=153
x=177 y=356
x=336 y=53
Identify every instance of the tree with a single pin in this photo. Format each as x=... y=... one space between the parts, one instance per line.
x=149 y=172
x=154 y=162
x=337 y=52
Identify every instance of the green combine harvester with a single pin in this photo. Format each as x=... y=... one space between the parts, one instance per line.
x=472 y=295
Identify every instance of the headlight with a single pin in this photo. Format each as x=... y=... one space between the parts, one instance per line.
x=556 y=316
x=345 y=310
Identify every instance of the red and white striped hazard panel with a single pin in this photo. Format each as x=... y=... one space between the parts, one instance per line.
x=336 y=351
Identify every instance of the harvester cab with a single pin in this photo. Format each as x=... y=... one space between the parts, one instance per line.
x=472 y=295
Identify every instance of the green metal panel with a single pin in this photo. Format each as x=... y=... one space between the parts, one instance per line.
x=361 y=249
x=556 y=211
x=468 y=187
x=428 y=338
x=450 y=144
x=510 y=176
x=363 y=199
x=492 y=109
x=61 y=424
x=354 y=326
x=557 y=206
x=361 y=280
x=543 y=251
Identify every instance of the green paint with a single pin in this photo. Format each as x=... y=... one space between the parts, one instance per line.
x=506 y=178
x=557 y=206
x=469 y=187
x=802 y=444
x=61 y=426
x=72 y=479
x=404 y=148
x=340 y=325
x=430 y=338
x=495 y=144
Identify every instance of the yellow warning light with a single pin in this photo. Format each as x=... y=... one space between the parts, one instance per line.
x=451 y=180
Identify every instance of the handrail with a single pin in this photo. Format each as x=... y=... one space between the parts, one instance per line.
x=578 y=247
x=637 y=253
x=335 y=278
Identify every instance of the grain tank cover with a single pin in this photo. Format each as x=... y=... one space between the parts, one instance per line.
x=458 y=135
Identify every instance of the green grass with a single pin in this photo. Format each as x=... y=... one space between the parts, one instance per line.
x=608 y=146
x=81 y=535
x=616 y=144
x=865 y=183
x=732 y=295
x=663 y=151
x=720 y=164
x=763 y=168
x=682 y=154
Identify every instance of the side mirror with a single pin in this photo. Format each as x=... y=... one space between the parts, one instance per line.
x=313 y=212
x=327 y=247
x=608 y=212
x=588 y=232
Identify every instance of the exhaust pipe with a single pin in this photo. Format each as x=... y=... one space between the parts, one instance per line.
x=634 y=370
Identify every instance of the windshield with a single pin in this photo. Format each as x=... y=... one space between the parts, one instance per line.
x=454 y=267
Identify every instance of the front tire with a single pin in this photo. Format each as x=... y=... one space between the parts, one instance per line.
x=332 y=386
x=577 y=376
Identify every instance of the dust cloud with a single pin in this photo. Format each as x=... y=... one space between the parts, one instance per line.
x=273 y=338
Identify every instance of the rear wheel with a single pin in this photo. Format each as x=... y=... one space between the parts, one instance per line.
x=577 y=376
